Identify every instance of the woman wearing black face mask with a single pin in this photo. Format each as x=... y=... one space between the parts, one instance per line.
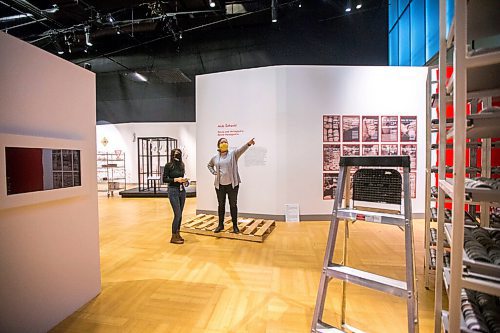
x=173 y=174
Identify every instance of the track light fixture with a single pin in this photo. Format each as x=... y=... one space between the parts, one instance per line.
x=274 y=12
x=348 y=7
x=359 y=5
x=87 y=36
x=140 y=77
x=211 y=3
x=58 y=47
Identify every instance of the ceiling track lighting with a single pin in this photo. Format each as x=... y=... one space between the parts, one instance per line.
x=274 y=12
x=58 y=47
x=140 y=77
x=110 y=18
x=87 y=36
x=211 y=3
x=359 y=5
x=348 y=7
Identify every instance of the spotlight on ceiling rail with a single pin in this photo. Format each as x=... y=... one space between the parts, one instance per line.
x=274 y=12
x=348 y=7
x=87 y=36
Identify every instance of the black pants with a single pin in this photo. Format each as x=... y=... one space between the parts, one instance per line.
x=232 y=194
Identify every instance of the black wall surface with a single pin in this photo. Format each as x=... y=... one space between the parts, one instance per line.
x=301 y=38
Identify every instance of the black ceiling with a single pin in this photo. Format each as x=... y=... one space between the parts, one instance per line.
x=117 y=27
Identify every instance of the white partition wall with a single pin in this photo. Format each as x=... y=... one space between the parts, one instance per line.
x=49 y=240
x=283 y=108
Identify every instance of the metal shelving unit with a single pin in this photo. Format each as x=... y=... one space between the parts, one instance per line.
x=475 y=75
x=111 y=172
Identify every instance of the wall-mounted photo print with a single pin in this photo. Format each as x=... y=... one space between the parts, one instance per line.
x=408 y=128
x=331 y=157
x=389 y=131
x=329 y=185
x=370 y=150
x=351 y=150
x=389 y=149
x=413 y=184
x=331 y=128
x=350 y=128
x=410 y=150
x=370 y=128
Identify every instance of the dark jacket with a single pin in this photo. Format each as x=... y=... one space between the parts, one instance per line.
x=173 y=170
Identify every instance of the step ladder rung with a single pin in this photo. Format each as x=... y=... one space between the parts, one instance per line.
x=322 y=327
x=368 y=216
x=369 y=280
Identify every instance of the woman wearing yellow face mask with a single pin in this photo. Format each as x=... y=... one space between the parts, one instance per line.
x=224 y=166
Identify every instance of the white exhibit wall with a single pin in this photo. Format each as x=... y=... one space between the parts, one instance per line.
x=283 y=108
x=49 y=240
x=239 y=105
x=124 y=137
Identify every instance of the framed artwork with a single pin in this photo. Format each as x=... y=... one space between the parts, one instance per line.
x=408 y=128
x=351 y=150
x=331 y=157
x=331 y=128
x=56 y=160
x=413 y=184
x=370 y=128
x=389 y=149
x=67 y=160
x=329 y=185
x=410 y=150
x=350 y=128
x=370 y=150
x=389 y=129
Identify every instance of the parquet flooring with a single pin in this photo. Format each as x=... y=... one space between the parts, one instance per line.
x=217 y=285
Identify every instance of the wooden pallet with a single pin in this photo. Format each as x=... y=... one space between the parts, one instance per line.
x=255 y=230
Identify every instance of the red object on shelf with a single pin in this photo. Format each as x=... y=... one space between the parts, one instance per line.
x=495 y=152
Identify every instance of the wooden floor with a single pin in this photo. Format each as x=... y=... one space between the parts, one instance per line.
x=221 y=285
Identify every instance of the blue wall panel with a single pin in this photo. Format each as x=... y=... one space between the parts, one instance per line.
x=431 y=28
x=393 y=13
x=417 y=31
x=414 y=30
x=404 y=39
x=394 y=47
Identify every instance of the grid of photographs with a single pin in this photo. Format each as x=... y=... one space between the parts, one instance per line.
x=65 y=168
x=356 y=135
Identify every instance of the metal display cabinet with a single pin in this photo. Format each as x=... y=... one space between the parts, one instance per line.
x=476 y=68
x=152 y=155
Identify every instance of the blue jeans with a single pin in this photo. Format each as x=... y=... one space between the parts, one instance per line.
x=177 y=199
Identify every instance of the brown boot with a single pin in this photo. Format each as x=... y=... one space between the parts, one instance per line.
x=175 y=239
x=180 y=237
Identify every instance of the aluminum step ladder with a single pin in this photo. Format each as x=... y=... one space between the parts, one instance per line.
x=383 y=189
